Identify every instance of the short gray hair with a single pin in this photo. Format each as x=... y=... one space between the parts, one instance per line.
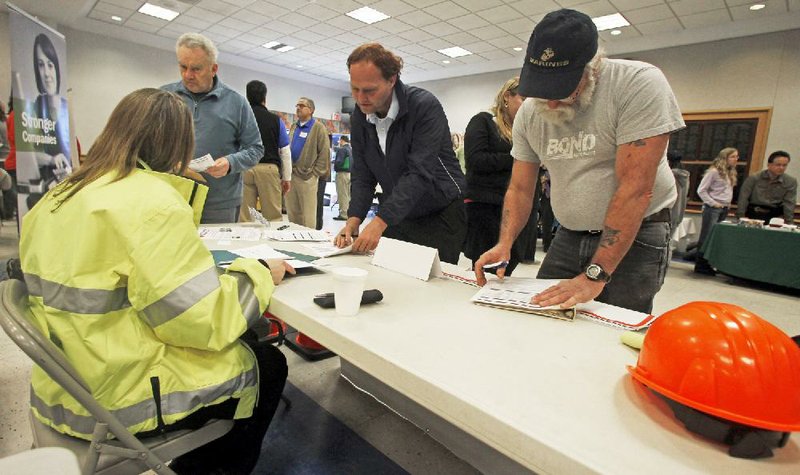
x=196 y=40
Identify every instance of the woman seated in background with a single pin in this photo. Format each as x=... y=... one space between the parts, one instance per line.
x=487 y=152
x=716 y=191
x=130 y=293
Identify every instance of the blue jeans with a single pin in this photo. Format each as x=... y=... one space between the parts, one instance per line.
x=711 y=216
x=636 y=280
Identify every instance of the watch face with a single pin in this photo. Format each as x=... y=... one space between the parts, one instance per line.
x=593 y=271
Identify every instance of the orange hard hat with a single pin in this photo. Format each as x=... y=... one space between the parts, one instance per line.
x=725 y=361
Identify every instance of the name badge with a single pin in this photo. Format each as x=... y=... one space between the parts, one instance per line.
x=303 y=135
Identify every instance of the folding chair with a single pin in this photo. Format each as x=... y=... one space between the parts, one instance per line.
x=125 y=454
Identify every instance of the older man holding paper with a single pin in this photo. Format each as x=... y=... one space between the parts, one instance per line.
x=224 y=127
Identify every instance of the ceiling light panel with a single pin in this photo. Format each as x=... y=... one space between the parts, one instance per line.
x=367 y=15
x=158 y=12
x=455 y=52
x=609 y=22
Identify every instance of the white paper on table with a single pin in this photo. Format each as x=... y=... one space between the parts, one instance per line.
x=417 y=261
x=297 y=235
x=327 y=249
x=260 y=251
x=229 y=233
x=201 y=164
x=515 y=292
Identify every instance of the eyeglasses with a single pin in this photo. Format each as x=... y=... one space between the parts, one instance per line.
x=300 y=106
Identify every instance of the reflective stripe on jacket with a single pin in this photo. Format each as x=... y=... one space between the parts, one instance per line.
x=121 y=282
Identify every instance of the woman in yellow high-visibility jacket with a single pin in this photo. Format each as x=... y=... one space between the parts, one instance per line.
x=132 y=296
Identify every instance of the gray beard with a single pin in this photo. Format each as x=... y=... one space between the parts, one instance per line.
x=565 y=113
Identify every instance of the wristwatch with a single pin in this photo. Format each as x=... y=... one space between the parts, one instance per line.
x=596 y=273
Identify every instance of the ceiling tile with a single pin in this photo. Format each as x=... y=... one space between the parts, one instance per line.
x=446 y=10
x=317 y=48
x=131 y=4
x=520 y=25
x=468 y=22
x=631 y=4
x=218 y=33
x=506 y=42
x=234 y=47
x=111 y=9
x=296 y=41
x=628 y=32
x=370 y=32
x=240 y=3
x=268 y=9
x=480 y=47
x=743 y=12
x=148 y=20
x=252 y=17
x=139 y=26
x=217 y=6
x=499 y=14
x=471 y=59
x=318 y=12
x=433 y=56
x=102 y=16
x=460 y=39
x=416 y=35
x=496 y=54
x=648 y=14
x=435 y=44
x=392 y=26
x=297 y=19
x=413 y=49
x=441 y=29
x=191 y=22
x=345 y=23
x=489 y=32
x=335 y=44
x=418 y=18
x=394 y=42
x=236 y=25
x=393 y=8
x=341 y=6
x=203 y=14
x=261 y=35
x=422 y=3
x=668 y=25
x=699 y=20
x=690 y=7
x=325 y=29
x=281 y=27
x=172 y=31
x=597 y=8
x=477 y=5
x=534 y=7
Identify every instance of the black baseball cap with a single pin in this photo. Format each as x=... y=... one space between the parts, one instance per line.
x=559 y=48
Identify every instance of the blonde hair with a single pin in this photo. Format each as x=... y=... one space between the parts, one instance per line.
x=720 y=164
x=500 y=108
x=149 y=124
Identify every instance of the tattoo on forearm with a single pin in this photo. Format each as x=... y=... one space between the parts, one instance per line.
x=610 y=237
x=639 y=143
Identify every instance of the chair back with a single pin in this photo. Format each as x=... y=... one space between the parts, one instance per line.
x=19 y=324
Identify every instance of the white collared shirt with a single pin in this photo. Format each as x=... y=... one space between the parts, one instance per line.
x=382 y=125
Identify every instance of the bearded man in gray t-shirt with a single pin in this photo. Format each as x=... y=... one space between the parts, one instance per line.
x=601 y=126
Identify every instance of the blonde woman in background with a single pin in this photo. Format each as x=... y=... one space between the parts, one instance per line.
x=458 y=148
x=487 y=152
x=716 y=191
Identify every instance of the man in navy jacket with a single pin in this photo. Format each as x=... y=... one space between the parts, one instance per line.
x=401 y=140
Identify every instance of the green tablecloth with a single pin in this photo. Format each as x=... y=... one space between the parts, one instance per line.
x=757 y=254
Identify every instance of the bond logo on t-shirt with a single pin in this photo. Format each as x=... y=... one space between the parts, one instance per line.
x=576 y=146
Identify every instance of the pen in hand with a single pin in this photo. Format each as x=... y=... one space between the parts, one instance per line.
x=495 y=266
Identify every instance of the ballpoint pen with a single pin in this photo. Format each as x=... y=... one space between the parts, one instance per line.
x=497 y=265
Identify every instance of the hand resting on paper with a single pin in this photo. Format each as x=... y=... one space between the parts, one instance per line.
x=569 y=293
x=278 y=268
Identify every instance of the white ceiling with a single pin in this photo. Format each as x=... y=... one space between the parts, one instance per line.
x=323 y=35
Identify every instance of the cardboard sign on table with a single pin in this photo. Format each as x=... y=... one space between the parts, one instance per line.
x=413 y=260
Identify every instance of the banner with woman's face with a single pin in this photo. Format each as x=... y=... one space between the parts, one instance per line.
x=41 y=108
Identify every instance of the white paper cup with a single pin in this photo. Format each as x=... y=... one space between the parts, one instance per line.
x=348 y=287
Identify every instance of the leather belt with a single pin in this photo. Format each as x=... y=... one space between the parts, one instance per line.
x=661 y=216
